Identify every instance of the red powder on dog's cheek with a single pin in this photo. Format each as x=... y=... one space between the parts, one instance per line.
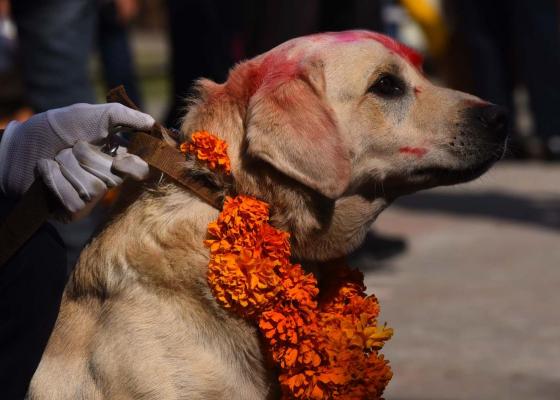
x=415 y=151
x=417 y=90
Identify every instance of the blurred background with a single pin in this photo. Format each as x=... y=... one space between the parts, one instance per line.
x=468 y=276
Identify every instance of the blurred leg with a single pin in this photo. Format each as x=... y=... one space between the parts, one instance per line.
x=351 y=14
x=272 y=22
x=537 y=33
x=201 y=34
x=116 y=56
x=55 y=38
x=31 y=286
x=483 y=27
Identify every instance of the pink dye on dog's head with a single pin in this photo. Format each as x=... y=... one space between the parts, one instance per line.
x=398 y=48
x=265 y=72
x=277 y=68
x=284 y=63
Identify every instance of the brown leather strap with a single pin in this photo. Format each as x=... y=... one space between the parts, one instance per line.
x=155 y=149
x=168 y=160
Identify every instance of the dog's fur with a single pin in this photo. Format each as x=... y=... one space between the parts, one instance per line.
x=309 y=132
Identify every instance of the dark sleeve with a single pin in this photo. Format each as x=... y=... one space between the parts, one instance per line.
x=31 y=286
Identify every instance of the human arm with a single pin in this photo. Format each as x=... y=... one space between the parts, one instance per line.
x=60 y=146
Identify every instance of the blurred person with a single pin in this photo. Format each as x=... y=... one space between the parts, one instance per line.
x=204 y=39
x=117 y=61
x=59 y=147
x=509 y=42
x=353 y=14
x=270 y=22
x=55 y=41
x=12 y=102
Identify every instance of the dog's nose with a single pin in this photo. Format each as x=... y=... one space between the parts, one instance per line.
x=495 y=119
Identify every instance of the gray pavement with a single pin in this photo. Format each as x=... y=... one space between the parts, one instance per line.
x=475 y=301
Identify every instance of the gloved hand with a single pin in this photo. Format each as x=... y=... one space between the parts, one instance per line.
x=59 y=145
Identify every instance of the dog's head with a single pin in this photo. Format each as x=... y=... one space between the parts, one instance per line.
x=348 y=121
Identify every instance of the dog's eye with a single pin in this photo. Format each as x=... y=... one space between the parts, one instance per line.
x=388 y=86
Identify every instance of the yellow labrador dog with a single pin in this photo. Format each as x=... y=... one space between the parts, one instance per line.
x=328 y=129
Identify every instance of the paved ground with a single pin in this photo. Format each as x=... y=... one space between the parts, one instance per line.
x=475 y=301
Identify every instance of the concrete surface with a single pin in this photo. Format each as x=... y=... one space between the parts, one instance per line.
x=475 y=301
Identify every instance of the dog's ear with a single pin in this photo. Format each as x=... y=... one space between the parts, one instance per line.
x=292 y=128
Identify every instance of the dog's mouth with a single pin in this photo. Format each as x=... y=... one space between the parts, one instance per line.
x=429 y=177
x=450 y=176
x=465 y=169
x=454 y=175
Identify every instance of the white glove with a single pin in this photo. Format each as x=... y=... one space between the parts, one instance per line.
x=81 y=172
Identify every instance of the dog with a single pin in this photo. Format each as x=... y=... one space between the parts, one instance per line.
x=328 y=129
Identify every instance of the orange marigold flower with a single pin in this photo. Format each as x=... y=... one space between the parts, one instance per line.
x=301 y=385
x=275 y=243
x=284 y=324
x=209 y=148
x=243 y=283
x=299 y=287
x=325 y=347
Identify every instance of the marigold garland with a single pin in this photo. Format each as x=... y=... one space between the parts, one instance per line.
x=324 y=347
